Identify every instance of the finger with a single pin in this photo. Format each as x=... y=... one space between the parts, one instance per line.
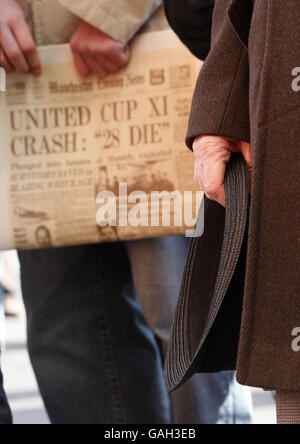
x=245 y=149
x=81 y=65
x=198 y=174
x=95 y=67
x=117 y=53
x=4 y=63
x=197 y=149
x=24 y=38
x=247 y=153
x=213 y=181
x=195 y=171
x=13 y=51
x=105 y=63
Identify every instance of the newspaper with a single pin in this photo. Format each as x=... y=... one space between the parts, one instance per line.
x=65 y=139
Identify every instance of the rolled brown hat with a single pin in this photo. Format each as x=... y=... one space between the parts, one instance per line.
x=207 y=322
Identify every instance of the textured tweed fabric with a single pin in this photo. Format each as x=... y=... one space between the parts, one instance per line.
x=245 y=91
x=288 y=408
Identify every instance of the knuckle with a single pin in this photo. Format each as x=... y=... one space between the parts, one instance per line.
x=198 y=146
x=123 y=61
x=211 y=190
x=93 y=49
x=15 y=56
x=90 y=47
x=105 y=50
x=29 y=48
x=108 y=48
x=73 y=43
x=83 y=49
x=207 y=149
x=16 y=17
x=76 y=45
x=124 y=57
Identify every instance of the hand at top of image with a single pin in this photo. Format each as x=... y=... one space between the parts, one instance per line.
x=212 y=154
x=96 y=52
x=18 y=50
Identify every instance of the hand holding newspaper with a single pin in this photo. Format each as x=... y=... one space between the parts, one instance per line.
x=89 y=160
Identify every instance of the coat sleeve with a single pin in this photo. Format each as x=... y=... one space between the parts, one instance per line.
x=192 y=22
x=221 y=100
x=121 y=19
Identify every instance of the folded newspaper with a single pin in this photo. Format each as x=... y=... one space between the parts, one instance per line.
x=98 y=160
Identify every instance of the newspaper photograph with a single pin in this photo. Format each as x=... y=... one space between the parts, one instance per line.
x=95 y=160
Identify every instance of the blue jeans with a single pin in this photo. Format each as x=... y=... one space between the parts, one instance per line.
x=99 y=318
x=5 y=414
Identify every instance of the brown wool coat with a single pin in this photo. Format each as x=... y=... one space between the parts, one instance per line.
x=245 y=92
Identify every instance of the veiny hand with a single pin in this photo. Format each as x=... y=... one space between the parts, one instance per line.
x=96 y=52
x=18 y=50
x=212 y=154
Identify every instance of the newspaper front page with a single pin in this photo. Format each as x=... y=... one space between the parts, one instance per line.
x=84 y=160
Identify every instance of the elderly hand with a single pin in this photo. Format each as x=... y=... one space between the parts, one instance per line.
x=212 y=154
x=18 y=50
x=96 y=52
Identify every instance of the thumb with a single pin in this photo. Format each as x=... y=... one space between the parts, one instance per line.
x=213 y=181
x=246 y=151
x=125 y=55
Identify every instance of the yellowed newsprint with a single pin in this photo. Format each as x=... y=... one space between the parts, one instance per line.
x=67 y=143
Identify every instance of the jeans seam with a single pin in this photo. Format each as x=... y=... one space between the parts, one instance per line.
x=111 y=366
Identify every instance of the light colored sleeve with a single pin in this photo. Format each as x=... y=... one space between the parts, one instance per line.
x=121 y=19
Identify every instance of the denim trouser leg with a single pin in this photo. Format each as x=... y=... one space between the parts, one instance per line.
x=212 y=399
x=5 y=414
x=95 y=358
x=157 y=267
